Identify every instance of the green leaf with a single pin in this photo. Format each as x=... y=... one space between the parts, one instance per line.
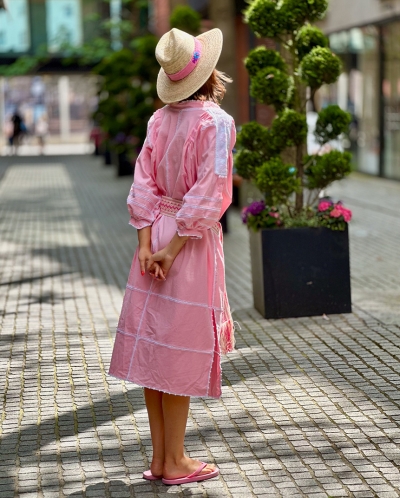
x=332 y=122
x=324 y=170
x=320 y=67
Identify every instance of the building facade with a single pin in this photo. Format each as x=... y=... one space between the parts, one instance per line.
x=366 y=35
x=63 y=95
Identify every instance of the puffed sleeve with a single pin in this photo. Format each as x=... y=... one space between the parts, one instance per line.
x=211 y=194
x=143 y=201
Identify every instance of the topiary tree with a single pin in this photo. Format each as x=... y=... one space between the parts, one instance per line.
x=185 y=18
x=127 y=94
x=275 y=158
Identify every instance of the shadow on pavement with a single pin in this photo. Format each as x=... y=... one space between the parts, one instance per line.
x=135 y=489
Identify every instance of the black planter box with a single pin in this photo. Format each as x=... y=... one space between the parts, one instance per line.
x=300 y=272
x=105 y=151
x=122 y=163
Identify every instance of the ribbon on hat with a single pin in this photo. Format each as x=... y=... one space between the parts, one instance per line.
x=190 y=65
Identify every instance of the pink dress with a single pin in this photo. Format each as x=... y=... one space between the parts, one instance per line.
x=171 y=334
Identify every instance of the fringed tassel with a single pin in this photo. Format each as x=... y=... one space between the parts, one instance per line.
x=227 y=337
x=226 y=328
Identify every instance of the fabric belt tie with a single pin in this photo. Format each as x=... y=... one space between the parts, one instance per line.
x=169 y=207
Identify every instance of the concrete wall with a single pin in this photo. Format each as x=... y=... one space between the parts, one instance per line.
x=344 y=14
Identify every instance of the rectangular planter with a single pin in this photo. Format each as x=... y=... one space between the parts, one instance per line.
x=300 y=272
x=124 y=166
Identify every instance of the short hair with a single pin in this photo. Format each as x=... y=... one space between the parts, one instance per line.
x=214 y=88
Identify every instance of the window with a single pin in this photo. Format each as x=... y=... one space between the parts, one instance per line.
x=391 y=97
x=357 y=91
x=64 y=23
x=14 y=27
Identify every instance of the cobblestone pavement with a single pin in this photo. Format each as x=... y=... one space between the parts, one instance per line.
x=310 y=406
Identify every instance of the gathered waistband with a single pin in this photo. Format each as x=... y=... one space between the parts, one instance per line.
x=169 y=207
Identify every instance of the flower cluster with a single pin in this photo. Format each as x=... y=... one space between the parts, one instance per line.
x=196 y=57
x=253 y=209
x=333 y=215
x=258 y=215
x=122 y=138
x=328 y=214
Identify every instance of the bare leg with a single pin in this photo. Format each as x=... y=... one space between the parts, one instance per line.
x=155 y=411
x=177 y=464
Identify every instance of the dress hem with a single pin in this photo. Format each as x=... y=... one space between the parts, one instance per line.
x=163 y=390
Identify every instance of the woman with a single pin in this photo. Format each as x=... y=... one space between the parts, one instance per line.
x=175 y=320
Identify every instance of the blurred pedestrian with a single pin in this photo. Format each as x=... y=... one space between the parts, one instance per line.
x=41 y=130
x=19 y=129
x=175 y=320
x=95 y=137
x=8 y=133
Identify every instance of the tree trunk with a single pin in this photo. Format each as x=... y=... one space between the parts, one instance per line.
x=300 y=172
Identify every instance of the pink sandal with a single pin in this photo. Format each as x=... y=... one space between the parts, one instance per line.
x=195 y=477
x=149 y=476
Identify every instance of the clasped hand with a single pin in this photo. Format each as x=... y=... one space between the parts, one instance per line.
x=157 y=264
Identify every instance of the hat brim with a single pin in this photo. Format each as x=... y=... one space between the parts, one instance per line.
x=175 y=91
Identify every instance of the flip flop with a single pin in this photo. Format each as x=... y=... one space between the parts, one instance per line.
x=149 y=476
x=195 y=477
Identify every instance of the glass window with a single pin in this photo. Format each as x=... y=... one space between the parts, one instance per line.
x=357 y=91
x=64 y=23
x=14 y=27
x=391 y=96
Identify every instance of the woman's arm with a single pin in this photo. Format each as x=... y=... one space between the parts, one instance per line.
x=144 y=237
x=160 y=262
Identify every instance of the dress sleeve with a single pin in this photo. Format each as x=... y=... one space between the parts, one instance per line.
x=143 y=201
x=211 y=194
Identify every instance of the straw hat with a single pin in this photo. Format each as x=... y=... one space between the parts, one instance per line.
x=186 y=62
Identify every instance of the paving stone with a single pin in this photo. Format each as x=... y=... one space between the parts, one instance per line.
x=310 y=405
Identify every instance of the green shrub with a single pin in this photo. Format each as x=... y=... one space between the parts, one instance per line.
x=262 y=57
x=186 y=19
x=307 y=38
x=126 y=93
x=331 y=123
x=279 y=78
x=247 y=163
x=325 y=169
x=297 y=12
x=289 y=128
x=264 y=18
x=278 y=179
x=255 y=137
x=270 y=86
x=319 y=67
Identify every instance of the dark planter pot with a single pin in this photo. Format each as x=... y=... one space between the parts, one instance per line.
x=122 y=163
x=106 y=155
x=300 y=272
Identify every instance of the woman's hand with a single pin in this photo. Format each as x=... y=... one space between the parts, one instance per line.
x=160 y=263
x=144 y=255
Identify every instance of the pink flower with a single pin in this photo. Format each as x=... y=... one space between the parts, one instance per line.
x=346 y=213
x=244 y=214
x=335 y=213
x=274 y=215
x=324 y=205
